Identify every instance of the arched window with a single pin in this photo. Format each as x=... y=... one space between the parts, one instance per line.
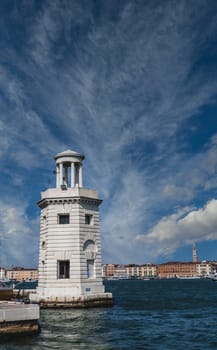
x=89 y=245
x=90 y=251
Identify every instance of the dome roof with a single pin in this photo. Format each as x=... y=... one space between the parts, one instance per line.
x=69 y=153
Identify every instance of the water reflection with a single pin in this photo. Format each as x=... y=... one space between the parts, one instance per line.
x=82 y=329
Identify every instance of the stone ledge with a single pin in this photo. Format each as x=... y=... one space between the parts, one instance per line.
x=15 y=311
x=84 y=301
x=17 y=318
x=19 y=327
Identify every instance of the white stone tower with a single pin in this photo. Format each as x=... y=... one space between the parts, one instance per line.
x=70 y=270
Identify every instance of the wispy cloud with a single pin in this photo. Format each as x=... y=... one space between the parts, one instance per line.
x=186 y=226
x=19 y=237
x=21 y=128
x=194 y=174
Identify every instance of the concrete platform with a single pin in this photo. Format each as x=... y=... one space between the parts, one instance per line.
x=18 y=318
x=83 y=301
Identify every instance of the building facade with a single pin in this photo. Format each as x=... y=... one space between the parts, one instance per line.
x=206 y=268
x=108 y=270
x=141 y=271
x=21 y=273
x=130 y=271
x=177 y=269
x=2 y=273
x=70 y=247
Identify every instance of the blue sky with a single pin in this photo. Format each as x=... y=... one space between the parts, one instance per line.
x=131 y=85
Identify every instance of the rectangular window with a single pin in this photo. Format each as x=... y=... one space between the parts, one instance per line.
x=63 y=267
x=88 y=219
x=44 y=220
x=90 y=269
x=63 y=219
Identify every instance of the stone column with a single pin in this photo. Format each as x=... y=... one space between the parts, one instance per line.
x=57 y=176
x=80 y=184
x=61 y=174
x=72 y=174
x=77 y=175
x=65 y=176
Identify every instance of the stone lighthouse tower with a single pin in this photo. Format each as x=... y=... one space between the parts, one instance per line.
x=70 y=271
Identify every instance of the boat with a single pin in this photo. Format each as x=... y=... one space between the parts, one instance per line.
x=188 y=277
x=117 y=278
x=6 y=291
x=213 y=277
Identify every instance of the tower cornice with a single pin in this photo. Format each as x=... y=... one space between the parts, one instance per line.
x=69 y=192
x=68 y=200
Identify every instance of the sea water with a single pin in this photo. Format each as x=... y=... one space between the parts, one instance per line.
x=155 y=314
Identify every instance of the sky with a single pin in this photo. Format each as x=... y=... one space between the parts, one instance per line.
x=132 y=85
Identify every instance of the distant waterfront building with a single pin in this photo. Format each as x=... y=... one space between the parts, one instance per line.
x=114 y=270
x=195 y=257
x=70 y=248
x=149 y=270
x=108 y=270
x=186 y=269
x=177 y=269
x=172 y=269
x=120 y=271
x=130 y=270
x=133 y=271
x=2 y=273
x=141 y=271
x=206 y=268
x=20 y=273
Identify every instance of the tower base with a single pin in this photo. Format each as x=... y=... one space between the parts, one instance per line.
x=83 y=301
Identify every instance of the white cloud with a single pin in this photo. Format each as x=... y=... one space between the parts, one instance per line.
x=124 y=217
x=19 y=235
x=186 y=226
